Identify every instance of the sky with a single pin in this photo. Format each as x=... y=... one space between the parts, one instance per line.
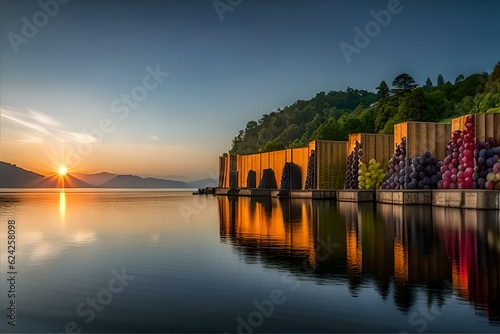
x=160 y=88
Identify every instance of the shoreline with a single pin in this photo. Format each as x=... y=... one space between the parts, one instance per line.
x=476 y=199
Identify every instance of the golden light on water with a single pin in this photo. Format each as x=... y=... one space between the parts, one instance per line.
x=62 y=205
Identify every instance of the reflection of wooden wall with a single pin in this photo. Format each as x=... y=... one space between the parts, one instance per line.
x=422 y=137
x=261 y=225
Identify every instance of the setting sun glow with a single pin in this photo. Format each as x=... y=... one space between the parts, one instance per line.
x=62 y=170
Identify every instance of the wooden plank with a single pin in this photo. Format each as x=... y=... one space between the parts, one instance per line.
x=277 y=162
x=228 y=171
x=400 y=131
x=239 y=167
x=458 y=123
x=422 y=137
x=432 y=143
x=486 y=126
x=480 y=127
x=331 y=160
x=415 y=139
x=442 y=138
x=222 y=168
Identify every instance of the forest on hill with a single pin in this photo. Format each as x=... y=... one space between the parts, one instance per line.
x=335 y=115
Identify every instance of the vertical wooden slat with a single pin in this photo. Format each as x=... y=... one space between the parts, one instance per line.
x=331 y=158
x=431 y=137
x=423 y=136
x=480 y=125
x=486 y=125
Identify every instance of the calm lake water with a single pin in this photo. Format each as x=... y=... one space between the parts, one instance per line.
x=167 y=261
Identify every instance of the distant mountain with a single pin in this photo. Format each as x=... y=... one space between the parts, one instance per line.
x=208 y=182
x=97 y=179
x=12 y=176
x=134 y=181
x=55 y=181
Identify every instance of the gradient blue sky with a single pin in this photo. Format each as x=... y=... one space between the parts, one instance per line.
x=263 y=55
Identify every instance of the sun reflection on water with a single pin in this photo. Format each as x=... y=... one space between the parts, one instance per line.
x=62 y=205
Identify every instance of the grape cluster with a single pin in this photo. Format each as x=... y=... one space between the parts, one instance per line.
x=290 y=176
x=487 y=171
x=310 y=172
x=399 y=168
x=371 y=176
x=351 y=179
x=425 y=172
x=458 y=167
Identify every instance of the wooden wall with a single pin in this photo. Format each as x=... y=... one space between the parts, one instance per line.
x=375 y=146
x=422 y=137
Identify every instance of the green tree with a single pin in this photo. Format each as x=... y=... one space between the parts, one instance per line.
x=459 y=78
x=383 y=90
x=384 y=112
x=414 y=107
x=439 y=106
x=489 y=100
x=440 y=81
x=273 y=145
x=403 y=83
x=428 y=82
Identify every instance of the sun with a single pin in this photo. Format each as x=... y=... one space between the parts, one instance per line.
x=62 y=170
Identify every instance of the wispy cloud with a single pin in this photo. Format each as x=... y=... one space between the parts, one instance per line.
x=154 y=138
x=35 y=125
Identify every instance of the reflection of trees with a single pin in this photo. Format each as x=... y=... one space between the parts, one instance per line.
x=407 y=247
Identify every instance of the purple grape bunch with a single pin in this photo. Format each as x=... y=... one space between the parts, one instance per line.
x=399 y=168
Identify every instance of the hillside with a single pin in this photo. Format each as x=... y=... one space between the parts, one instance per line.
x=12 y=176
x=335 y=115
x=55 y=181
x=95 y=179
x=134 y=181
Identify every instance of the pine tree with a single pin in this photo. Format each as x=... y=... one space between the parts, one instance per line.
x=440 y=81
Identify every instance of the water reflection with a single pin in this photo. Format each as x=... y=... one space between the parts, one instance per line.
x=439 y=251
x=62 y=205
x=472 y=243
